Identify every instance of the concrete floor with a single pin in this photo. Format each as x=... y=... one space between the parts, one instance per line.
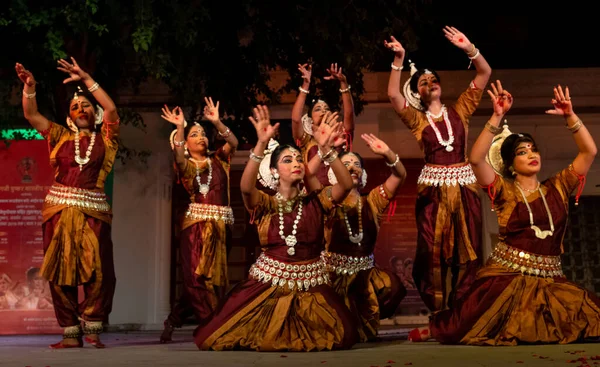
x=143 y=349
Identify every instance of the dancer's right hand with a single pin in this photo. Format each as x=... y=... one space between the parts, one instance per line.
x=329 y=131
x=262 y=123
x=395 y=46
x=502 y=100
x=175 y=117
x=306 y=71
x=25 y=75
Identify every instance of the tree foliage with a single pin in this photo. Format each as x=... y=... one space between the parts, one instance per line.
x=225 y=49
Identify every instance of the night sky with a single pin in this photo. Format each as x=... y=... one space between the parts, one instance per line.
x=511 y=37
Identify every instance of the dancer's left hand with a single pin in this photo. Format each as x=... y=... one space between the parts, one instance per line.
x=376 y=145
x=458 y=38
x=562 y=102
x=211 y=111
x=74 y=71
x=335 y=72
x=502 y=100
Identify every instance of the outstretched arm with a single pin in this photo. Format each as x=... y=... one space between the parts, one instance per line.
x=76 y=74
x=502 y=102
x=211 y=113
x=176 y=118
x=484 y=71
x=297 y=129
x=264 y=131
x=379 y=147
x=396 y=97
x=584 y=140
x=325 y=137
x=335 y=72
x=30 y=109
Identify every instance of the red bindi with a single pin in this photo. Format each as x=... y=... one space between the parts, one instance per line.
x=265 y=129
x=322 y=132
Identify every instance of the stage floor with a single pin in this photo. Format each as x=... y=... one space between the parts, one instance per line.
x=143 y=349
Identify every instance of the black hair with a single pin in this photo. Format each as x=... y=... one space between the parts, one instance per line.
x=190 y=125
x=360 y=159
x=414 y=80
x=277 y=152
x=82 y=91
x=311 y=104
x=507 y=150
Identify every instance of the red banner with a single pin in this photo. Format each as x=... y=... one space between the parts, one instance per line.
x=397 y=239
x=25 y=302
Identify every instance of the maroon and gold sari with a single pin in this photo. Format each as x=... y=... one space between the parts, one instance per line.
x=369 y=292
x=287 y=303
x=77 y=225
x=448 y=208
x=521 y=294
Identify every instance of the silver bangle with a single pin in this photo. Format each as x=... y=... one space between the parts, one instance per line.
x=256 y=158
x=347 y=90
x=94 y=87
x=305 y=91
x=324 y=156
x=397 y=68
x=225 y=134
x=179 y=143
x=576 y=126
x=331 y=157
x=27 y=95
x=395 y=162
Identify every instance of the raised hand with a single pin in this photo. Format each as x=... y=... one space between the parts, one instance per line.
x=306 y=71
x=262 y=123
x=458 y=39
x=326 y=128
x=211 y=111
x=335 y=72
x=74 y=71
x=376 y=145
x=562 y=102
x=25 y=75
x=502 y=100
x=175 y=117
x=395 y=46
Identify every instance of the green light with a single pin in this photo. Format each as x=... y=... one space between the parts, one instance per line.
x=27 y=134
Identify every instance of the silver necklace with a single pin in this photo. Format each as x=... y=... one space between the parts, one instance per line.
x=290 y=240
x=358 y=237
x=203 y=188
x=538 y=232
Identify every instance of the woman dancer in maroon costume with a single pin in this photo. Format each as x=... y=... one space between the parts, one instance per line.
x=287 y=303
x=370 y=292
x=521 y=294
x=304 y=125
x=76 y=216
x=203 y=252
x=448 y=209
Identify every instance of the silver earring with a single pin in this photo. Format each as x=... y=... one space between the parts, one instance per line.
x=186 y=152
x=72 y=125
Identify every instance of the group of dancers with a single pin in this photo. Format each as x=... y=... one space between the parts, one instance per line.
x=315 y=285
